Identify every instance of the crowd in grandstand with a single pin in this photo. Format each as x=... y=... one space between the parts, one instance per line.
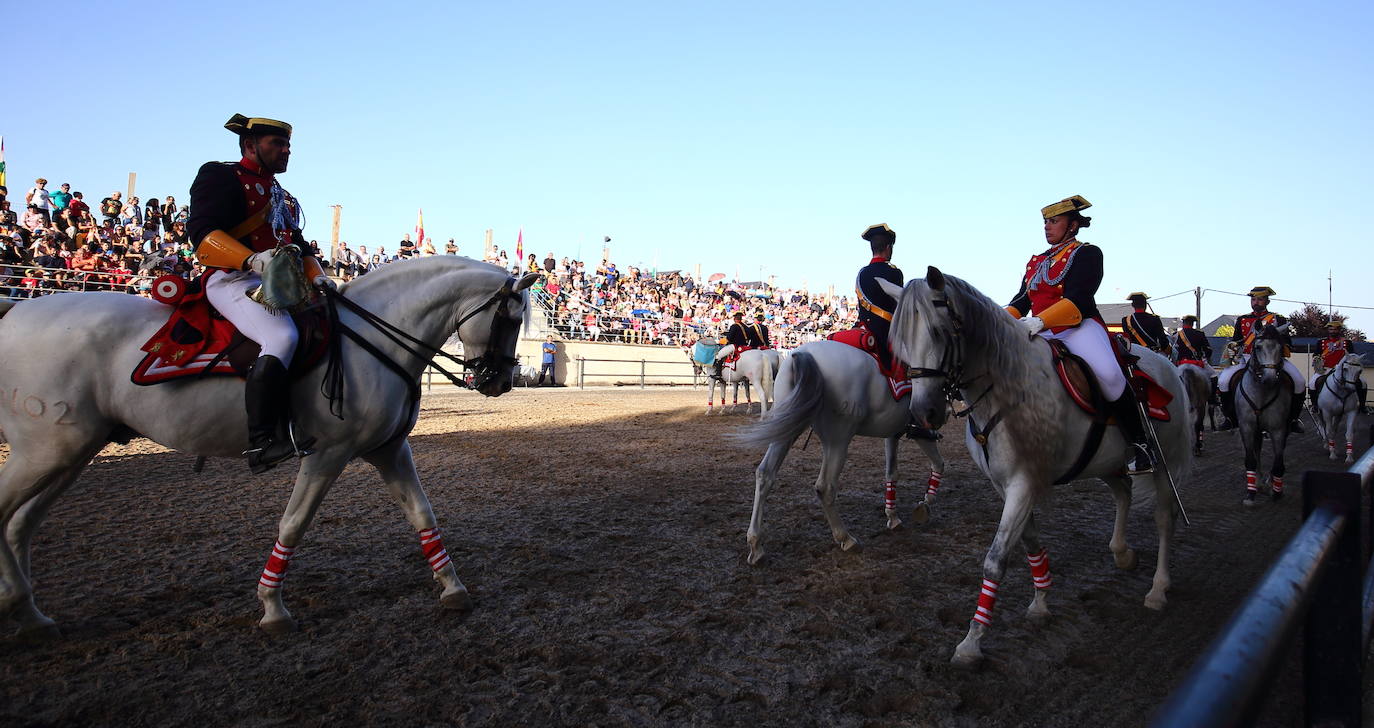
x=59 y=243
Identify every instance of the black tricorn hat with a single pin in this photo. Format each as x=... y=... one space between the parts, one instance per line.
x=880 y=233
x=257 y=126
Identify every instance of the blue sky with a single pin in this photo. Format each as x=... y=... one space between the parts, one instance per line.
x=1224 y=145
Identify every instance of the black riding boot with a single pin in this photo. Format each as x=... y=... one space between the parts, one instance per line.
x=1141 y=454
x=1296 y=410
x=720 y=369
x=1228 y=410
x=267 y=398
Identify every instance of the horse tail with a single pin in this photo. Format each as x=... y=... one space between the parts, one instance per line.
x=5 y=306
x=792 y=414
x=766 y=382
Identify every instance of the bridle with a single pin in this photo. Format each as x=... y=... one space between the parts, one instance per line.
x=485 y=367
x=951 y=367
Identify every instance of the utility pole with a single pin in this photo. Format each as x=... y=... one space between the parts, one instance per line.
x=487 y=249
x=1330 y=308
x=1197 y=294
x=133 y=176
x=334 y=234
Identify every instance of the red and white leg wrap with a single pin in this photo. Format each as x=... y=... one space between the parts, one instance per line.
x=1040 y=569
x=986 y=599
x=275 y=571
x=1331 y=445
x=1277 y=482
x=433 y=547
x=933 y=485
x=889 y=494
x=1349 y=448
x=1251 y=480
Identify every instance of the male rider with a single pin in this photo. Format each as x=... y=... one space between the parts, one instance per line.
x=1192 y=347
x=1334 y=348
x=239 y=216
x=876 y=307
x=757 y=333
x=1248 y=328
x=736 y=339
x=1143 y=327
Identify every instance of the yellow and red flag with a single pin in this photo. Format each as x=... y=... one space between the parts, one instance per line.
x=420 y=229
x=520 y=247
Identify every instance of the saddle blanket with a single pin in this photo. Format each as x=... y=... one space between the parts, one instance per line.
x=197 y=342
x=862 y=339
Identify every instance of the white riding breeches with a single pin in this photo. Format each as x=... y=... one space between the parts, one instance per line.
x=1227 y=375
x=274 y=332
x=725 y=351
x=1089 y=342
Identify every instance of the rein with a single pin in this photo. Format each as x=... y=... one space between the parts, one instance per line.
x=1256 y=369
x=1341 y=383
x=332 y=385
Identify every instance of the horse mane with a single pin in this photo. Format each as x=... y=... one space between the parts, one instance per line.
x=996 y=351
x=385 y=276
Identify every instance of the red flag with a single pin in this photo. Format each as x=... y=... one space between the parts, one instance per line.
x=520 y=248
x=420 y=228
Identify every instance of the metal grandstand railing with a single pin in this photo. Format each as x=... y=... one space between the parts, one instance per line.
x=28 y=281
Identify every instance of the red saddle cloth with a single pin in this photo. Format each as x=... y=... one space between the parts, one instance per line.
x=1081 y=385
x=196 y=341
x=861 y=338
x=729 y=361
x=1195 y=362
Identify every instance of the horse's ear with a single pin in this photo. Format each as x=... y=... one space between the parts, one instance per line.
x=525 y=281
x=934 y=278
x=890 y=288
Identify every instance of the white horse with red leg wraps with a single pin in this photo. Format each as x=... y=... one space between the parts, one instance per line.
x=1028 y=430
x=66 y=359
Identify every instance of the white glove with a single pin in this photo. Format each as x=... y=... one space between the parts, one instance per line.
x=324 y=281
x=1033 y=325
x=257 y=262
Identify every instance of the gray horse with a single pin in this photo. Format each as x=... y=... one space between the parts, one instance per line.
x=837 y=391
x=66 y=361
x=1263 y=405
x=1025 y=432
x=1198 y=382
x=1337 y=401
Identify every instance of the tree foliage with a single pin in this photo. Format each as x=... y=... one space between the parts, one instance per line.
x=1311 y=320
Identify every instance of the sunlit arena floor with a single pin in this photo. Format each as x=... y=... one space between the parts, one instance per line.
x=602 y=534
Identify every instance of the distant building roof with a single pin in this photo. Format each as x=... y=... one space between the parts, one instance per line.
x=1218 y=322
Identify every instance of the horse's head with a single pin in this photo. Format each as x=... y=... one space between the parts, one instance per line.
x=490 y=331
x=1267 y=357
x=1351 y=367
x=926 y=334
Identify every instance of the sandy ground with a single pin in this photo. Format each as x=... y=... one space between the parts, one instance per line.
x=602 y=535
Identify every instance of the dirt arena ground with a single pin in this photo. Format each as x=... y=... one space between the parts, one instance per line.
x=602 y=533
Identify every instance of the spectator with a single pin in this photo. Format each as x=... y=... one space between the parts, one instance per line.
x=427 y=248
x=451 y=248
x=40 y=199
x=62 y=198
x=549 y=263
x=131 y=213
x=550 y=350
x=407 y=248
x=152 y=215
x=78 y=207
x=110 y=207
x=32 y=219
x=169 y=212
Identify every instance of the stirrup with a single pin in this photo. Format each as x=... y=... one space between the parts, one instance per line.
x=1140 y=453
x=916 y=432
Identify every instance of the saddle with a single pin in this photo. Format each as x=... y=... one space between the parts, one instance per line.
x=862 y=339
x=197 y=341
x=1081 y=386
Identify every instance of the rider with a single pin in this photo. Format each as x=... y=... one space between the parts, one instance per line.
x=876 y=307
x=1248 y=328
x=735 y=338
x=239 y=215
x=1056 y=298
x=757 y=333
x=1334 y=348
x=1192 y=347
x=1143 y=327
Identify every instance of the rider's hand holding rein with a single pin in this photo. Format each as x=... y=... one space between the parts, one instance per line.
x=1033 y=325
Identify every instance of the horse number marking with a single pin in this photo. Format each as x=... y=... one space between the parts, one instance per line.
x=35 y=407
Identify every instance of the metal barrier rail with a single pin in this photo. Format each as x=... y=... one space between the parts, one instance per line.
x=1317 y=581
x=582 y=372
x=13 y=274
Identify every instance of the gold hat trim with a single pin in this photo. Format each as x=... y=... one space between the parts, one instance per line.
x=1068 y=204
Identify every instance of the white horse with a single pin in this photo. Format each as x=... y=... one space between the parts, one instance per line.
x=837 y=391
x=756 y=367
x=1263 y=404
x=66 y=359
x=1198 y=382
x=1024 y=431
x=1338 y=399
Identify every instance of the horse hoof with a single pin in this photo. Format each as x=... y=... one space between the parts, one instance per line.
x=893 y=521
x=40 y=634
x=1126 y=560
x=278 y=627
x=1249 y=499
x=966 y=660
x=849 y=543
x=921 y=513
x=1155 y=602
x=1277 y=495
x=457 y=600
